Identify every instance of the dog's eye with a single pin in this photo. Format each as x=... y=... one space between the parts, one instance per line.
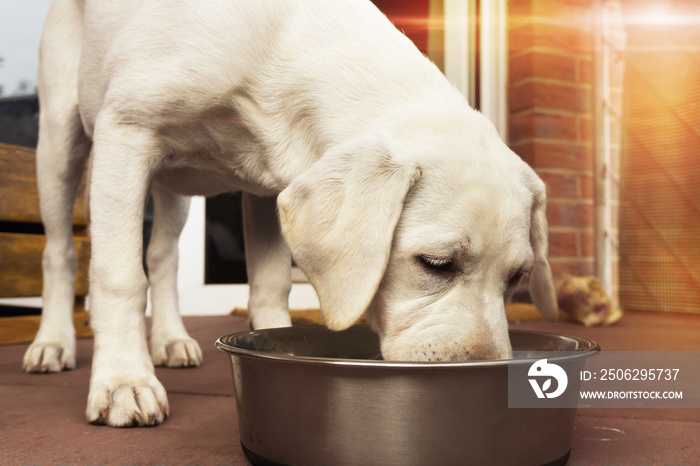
x=435 y=264
x=515 y=278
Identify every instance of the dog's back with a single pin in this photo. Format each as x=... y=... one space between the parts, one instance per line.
x=289 y=56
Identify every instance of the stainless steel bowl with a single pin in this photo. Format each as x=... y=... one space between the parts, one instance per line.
x=306 y=395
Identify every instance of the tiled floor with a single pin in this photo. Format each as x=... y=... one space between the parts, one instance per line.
x=41 y=416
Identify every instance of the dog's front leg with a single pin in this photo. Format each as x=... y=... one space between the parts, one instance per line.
x=124 y=390
x=268 y=263
x=170 y=343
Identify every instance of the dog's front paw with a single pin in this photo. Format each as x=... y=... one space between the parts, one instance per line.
x=42 y=356
x=132 y=403
x=183 y=352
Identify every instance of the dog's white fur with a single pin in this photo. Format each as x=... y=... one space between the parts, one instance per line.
x=395 y=197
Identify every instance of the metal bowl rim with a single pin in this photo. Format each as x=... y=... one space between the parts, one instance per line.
x=590 y=349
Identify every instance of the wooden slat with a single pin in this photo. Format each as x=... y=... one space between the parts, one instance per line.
x=20 y=259
x=16 y=330
x=19 y=198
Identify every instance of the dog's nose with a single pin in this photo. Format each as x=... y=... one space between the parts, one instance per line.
x=484 y=351
x=477 y=351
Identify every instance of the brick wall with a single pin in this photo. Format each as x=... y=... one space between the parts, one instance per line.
x=550 y=106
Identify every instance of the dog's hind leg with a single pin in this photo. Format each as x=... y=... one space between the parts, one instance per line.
x=268 y=263
x=61 y=154
x=170 y=344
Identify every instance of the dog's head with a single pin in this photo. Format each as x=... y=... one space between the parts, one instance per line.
x=430 y=245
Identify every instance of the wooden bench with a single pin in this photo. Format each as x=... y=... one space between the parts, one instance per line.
x=22 y=243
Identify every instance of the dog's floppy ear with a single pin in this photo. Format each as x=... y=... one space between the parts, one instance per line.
x=542 y=291
x=338 y=219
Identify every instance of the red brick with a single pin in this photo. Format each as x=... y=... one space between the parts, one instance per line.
x=566 y=37
x=549 y=96
x=520 y=36
x=542 y=125
x=562 y=24
x=587 y=186
x=572 y=266
x=524 y=150
x=585 y=129
x=570 y=215
x=521 y=127
x=555 y=66
x=521 y=97
x=520 y=68
x=585 y=70
x=560 y=185
x=564 y=11
x=554 y=126
x=519 y=8
x=563 y=244
x=542 y=65
x=587 y=244
x=568 y=11
x=546 y=154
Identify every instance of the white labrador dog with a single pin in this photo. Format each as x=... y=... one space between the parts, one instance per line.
x=352 y=150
